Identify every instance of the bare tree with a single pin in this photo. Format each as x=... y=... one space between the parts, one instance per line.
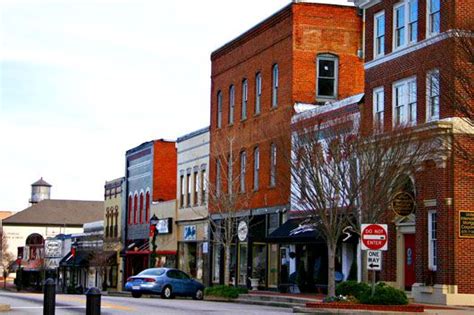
x=341 y=178
x=228 y=196
x=6 y=258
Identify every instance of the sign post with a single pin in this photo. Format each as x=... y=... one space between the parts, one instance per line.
x=374 y=241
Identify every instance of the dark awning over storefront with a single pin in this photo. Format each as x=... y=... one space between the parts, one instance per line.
x=296 y=231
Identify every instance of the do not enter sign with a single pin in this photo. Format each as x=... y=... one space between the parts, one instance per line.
x=374 y=236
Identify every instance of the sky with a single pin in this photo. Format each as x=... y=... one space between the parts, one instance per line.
x=82 y=81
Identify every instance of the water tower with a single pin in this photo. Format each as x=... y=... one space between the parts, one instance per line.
x=40 y=190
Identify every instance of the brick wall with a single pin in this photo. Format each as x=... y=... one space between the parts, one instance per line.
x=164 y=171
x=292 y=37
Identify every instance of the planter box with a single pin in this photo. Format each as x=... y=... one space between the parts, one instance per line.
x=368 y=307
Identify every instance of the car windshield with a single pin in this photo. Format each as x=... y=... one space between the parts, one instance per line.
x=152 y=272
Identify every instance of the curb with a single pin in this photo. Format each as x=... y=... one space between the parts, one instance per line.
x=308 y=310
x=5 y=307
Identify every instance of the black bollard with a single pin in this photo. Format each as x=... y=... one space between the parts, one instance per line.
x=93 y=301
x=49 y=300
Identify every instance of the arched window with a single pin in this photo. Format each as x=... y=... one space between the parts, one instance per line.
x=135 y=209
x=258 y=92
x=275 y=78
x=130 y=205
x=219 y=109
x=107 y=222
x=231 y=104
x=245 y=97
x=147 y=206
x=141 y=208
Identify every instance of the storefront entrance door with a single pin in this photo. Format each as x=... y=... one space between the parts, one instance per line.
x=409 y=260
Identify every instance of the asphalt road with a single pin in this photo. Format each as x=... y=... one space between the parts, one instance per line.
x=32 y=303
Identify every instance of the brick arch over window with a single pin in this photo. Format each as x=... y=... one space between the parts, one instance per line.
x=135 y=208
x=147 y=206
x=141 y=208
x=130 y=205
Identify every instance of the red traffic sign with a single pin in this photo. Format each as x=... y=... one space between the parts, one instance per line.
x=374 y=236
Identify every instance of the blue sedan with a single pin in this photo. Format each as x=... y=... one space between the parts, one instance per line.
x=167 y=282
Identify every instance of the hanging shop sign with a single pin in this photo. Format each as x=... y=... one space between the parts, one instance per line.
x=189 y=233
x=466 y=224
x=52 y=248
x=403 y=204
x=164 y=226
x=374 y=236
x=242 y=231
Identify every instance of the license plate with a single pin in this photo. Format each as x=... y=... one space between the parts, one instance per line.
x=136 y=287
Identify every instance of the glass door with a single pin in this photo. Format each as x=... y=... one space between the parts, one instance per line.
x=243 y=255
x=273 y=266
x=259 y=262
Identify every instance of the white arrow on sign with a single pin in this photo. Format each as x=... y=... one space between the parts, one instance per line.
x=374 y=260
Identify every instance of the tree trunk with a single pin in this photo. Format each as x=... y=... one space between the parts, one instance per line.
x=331 y=269
x=227 y=265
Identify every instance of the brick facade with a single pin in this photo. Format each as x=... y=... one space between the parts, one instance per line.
x=442 y=185
x=291 y=38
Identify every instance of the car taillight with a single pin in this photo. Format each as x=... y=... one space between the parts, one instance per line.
x=149 y=280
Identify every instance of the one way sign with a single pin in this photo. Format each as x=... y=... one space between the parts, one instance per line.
x=374 y=260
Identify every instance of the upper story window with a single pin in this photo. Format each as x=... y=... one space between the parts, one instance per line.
x=405 y=23
x=231 y=104
x=195 y=187
x=258 y=92
x=147 y=206
x=379 y=34
x=142 y=209
x=256 y=168
x=130 y=207
x=275 y=78
x=219 y=109
x=218 y=177
x=230 y=177
x=378 y=101
x=243 y=166
x=135 y=208
x=188 y=186
x=404 y=102
x=203 y=186
x=434 y=17
x=432 y=97
x=245 y=97
x=273 y=161
x=181 y=191
x=327 y=76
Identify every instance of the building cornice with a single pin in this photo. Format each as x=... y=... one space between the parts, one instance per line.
x=364 y=4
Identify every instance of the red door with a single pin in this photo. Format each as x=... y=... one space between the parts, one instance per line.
x=409 y=261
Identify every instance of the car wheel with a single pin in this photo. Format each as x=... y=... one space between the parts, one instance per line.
x=136 y=295
x=199 y=295
x=167 y=292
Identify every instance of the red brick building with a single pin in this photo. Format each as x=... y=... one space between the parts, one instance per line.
x=413 y=66
x=150 y=177
x=306 y=52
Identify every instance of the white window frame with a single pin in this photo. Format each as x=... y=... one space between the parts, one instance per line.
x=231 y=104
x=258 y=92
x=256 y=168
x=432 y=240
x=188 y=190
x=407 y=99
x=431 y=96
x=243 y=167
x=429 y=14
x=219 y=109
x=336 y=76
x=379 y=45
x=275 y=79
x=407 y=23
x=245 y=98
x=181 y=190
x=378 y=100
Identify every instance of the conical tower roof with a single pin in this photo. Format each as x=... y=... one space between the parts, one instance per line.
x=41 y=182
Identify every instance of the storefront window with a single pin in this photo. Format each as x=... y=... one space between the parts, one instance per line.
x=259 y=261
x=190 y=259
x=273 y=265
x=243 y=254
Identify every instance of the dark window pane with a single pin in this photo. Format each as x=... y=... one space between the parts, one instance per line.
x=326 y=87
x=326 y=68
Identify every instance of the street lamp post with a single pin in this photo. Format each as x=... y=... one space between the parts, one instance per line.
x=153 y=223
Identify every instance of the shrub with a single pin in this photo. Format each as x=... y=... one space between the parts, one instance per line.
x=352 y=288
x=384 y=295
x=224 y=291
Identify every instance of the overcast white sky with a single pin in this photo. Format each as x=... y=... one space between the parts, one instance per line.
x=82 y=81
